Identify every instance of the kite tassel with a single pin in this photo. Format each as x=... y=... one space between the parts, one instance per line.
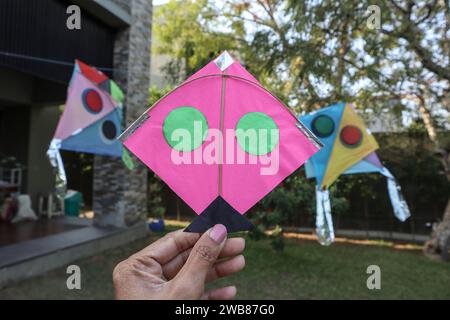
x=56 y=161
x=324 y=221
x=399 y=204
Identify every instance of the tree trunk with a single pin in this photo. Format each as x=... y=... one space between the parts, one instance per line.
x=437 y=246
x=342 y=51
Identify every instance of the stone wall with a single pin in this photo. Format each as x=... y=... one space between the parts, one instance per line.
x=120 y=195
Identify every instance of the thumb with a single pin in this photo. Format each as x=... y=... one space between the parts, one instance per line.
x=204 y=254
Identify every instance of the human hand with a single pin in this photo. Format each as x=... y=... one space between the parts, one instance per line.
x=178 y=265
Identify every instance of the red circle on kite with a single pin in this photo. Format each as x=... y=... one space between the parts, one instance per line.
x=92 y=101
x=351 y=136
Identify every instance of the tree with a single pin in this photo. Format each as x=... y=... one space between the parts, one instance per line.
x=424 y=27
x=312 y=53
x=406 y=61
x=190 y=33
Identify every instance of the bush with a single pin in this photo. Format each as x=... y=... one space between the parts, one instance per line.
x=293 y=198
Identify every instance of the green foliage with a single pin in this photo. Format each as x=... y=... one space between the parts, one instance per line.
x=284 y=205
x=154 y=200
x=411 y=159
x=190 y=33
x=156 y=93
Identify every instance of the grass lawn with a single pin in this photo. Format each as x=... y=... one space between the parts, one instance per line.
x=305 y=270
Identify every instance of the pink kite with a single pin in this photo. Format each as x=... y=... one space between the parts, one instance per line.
x=221 y=142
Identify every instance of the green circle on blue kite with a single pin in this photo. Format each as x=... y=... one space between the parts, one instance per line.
x=257 y=133
x=185 y=128
x=322 y=126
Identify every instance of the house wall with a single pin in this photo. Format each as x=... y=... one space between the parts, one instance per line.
x=38 y=28
x=120 y=195
x=32 y=89
x=16 y=88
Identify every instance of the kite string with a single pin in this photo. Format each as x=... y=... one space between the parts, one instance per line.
x=52 y=61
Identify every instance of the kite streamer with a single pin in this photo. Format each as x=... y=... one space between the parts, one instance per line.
x=57 y=163
x=399 y=204
x=324 y=221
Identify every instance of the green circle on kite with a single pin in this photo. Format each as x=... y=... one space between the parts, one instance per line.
x=185 y=123
x=257 y=133
x=322 y=126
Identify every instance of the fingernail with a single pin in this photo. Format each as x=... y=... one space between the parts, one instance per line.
x=218 y=233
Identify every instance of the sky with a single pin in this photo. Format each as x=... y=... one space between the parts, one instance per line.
x=159 y=2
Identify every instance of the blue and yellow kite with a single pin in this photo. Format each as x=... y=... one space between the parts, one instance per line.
x=349 y=148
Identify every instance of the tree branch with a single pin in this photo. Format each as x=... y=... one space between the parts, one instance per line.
x=410 y=33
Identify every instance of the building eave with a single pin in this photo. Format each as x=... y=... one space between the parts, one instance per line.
x=106 y=11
